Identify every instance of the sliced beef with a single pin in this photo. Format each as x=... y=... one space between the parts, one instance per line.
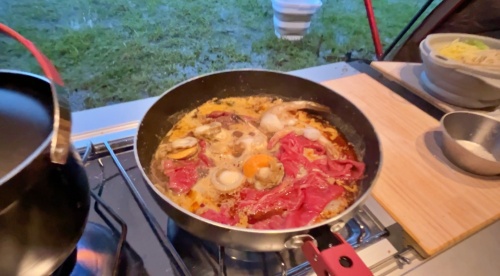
x=313 y=179
x=249 y=197
x=228 y=118
x=295 y=209
x=295 y=203
x=219 y=113
x=275 y=203
x=315 y=200
x=299 y=201
x=291 y=155
x=183 y=174
x=201 y=154
x=340 y=169
x=225 y=118
x=291 y=152
x=297 y=143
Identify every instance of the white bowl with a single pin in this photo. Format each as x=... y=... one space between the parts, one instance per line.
x=475 y=84
x=454 y=99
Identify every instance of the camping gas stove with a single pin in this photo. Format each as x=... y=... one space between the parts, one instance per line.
x=128 y=234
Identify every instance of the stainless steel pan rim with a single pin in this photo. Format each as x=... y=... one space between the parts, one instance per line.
x=332 y=221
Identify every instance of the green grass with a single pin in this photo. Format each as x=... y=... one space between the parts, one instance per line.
x=111 y=51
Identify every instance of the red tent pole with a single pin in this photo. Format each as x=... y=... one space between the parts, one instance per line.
x=373 y=29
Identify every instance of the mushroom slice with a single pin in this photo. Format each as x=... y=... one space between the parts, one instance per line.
x=184 y=143
x=183 y=154
x=182 y=148
x=210 y=131
x=226 y=180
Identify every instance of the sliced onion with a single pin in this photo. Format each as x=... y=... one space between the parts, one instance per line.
x=183 y=154
x=252 y=143
x=291 y=122
x=311 y=133
x=271 y=123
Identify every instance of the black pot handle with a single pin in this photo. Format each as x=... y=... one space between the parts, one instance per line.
x=60 y=145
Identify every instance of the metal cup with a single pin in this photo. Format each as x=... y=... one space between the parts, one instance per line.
x=471 y=141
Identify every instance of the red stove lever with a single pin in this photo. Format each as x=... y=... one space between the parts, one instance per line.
x=337 y=260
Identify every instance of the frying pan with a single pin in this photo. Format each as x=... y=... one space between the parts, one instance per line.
x=323 y=247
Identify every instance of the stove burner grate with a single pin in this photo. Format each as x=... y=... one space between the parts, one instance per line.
x=206 y=258
x=153 y=223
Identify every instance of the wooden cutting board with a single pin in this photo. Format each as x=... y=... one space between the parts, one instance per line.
x=435 y=202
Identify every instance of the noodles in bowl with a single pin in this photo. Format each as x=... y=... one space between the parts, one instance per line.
x=471 y=52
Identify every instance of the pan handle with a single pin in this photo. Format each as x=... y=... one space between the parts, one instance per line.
x=60 y=144
x=333 y=255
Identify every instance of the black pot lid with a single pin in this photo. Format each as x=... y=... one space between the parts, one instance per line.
x=26 y=118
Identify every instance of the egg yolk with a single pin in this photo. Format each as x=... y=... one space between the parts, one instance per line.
x=254 y=163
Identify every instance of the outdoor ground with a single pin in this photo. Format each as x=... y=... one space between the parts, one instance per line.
x=111 y=51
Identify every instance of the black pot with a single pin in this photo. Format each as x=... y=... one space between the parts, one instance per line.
x=44 y=192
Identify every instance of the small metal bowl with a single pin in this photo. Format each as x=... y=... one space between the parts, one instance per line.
x=471 y=141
